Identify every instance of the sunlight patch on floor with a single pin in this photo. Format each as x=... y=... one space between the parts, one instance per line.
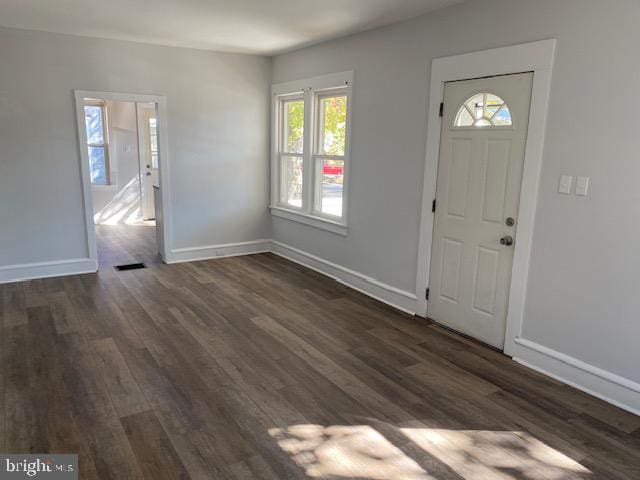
x=347 y=451
x=476 y=454
x=361 y=451
x=124 y=208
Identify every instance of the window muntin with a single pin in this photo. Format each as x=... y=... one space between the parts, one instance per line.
x=97 y=143
x=483 y=110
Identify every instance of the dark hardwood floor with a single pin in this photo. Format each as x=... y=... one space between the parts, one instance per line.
x=122 y=244
x=255 y=367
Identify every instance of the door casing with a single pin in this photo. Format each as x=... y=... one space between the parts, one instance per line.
x=536 y=57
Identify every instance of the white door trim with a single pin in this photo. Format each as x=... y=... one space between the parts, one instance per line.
x=163 y=150
x=536 y=57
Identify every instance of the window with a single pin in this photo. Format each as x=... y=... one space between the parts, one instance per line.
x=483 y=110
x=291 y=151
x=153 y=141
x=97 y=142
x=311 y=150
x=330 y=150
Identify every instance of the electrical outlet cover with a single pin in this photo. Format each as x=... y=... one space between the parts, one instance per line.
x=566 y=181
x=582 y=186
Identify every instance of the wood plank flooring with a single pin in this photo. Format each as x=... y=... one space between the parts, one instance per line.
x=257 y=368
x=123 y=244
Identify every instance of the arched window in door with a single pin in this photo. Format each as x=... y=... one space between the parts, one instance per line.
x=483 y=110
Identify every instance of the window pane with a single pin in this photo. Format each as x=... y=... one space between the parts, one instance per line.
x=93 y=119
x=97 y=165
x=503 y=117
x=293 y=122
x=153 y=134
x=483 y=110
x=332 y=176
x=292 y=180
x=333 y=125
x=464 y=118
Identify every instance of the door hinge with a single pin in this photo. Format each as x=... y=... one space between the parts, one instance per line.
x=441 y=109
x=426 y=294
x=433 y=205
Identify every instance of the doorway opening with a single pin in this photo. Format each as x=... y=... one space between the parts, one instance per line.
x=121 y=162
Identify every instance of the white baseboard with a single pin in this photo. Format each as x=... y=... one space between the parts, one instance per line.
x=192 y=254
x=59 y=268
x=605 y=385
x=397 y=298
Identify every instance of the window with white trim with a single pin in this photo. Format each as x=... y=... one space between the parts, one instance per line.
x=311 y=130
x=97 y=142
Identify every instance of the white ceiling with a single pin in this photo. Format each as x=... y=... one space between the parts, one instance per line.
x=249 y=26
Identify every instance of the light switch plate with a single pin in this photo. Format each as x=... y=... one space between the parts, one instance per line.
x=582 y=186
x=566 y=181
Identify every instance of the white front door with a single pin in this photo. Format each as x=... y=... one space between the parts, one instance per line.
x=484 y=132
x=148 y=148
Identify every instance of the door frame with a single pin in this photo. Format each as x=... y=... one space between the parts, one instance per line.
x=163 y=170
x=536 y=57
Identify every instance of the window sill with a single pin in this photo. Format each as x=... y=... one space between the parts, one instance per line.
x=317 y=222
x=103 y=187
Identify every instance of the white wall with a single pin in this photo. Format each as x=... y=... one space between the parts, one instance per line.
x=583 y=290
x=217 y=110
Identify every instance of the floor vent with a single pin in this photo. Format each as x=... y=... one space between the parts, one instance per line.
x=130 y=266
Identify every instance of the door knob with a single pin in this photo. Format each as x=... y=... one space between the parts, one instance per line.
x=508 y=240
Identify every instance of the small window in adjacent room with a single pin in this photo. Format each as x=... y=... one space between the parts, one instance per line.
x=97 y=142
x=310 y=162
x=153 y=141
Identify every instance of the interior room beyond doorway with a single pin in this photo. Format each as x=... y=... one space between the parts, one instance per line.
x=122 y=147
